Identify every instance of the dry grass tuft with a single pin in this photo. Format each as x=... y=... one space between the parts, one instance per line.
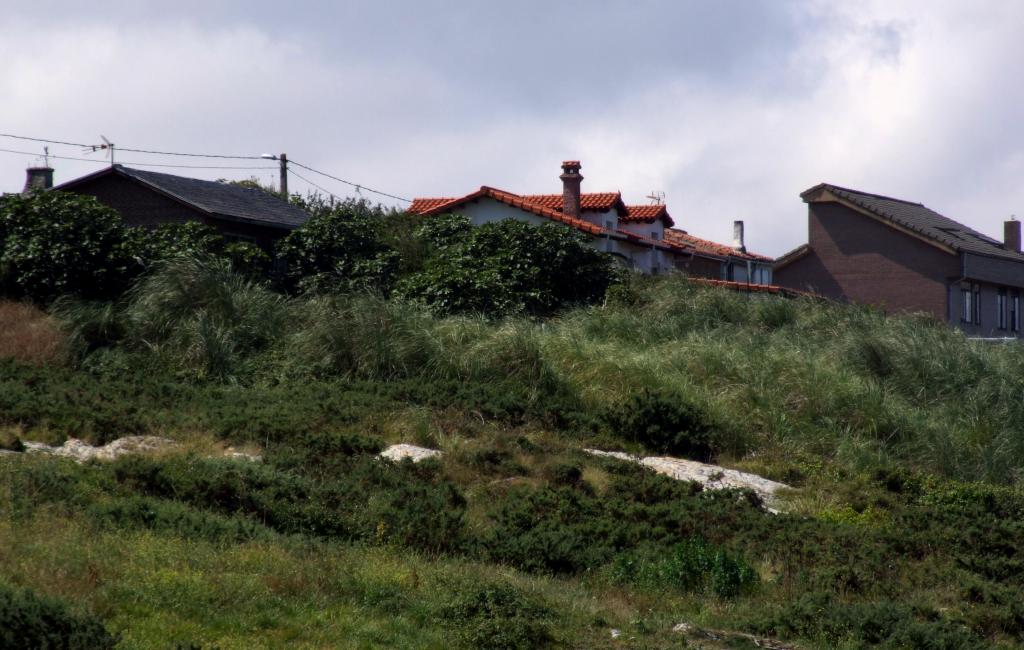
x=29 y=335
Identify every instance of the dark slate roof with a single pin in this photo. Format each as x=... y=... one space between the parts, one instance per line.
x=223 y=199
x=924 y=221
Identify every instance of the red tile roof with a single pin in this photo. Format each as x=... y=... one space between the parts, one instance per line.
x=755 y=288
x=648 y=214
x=440 y=205
x=419 y=206
x=601 y=201
x=684 y=239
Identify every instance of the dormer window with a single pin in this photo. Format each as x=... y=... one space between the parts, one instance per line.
x=655 y=235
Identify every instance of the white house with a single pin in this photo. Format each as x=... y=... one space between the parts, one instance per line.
x=642 y=237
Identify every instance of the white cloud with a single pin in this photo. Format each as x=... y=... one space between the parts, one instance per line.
x=916 y=99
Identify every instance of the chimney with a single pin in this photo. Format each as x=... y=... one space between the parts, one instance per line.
x=737 y=236
x=571 y=179
x=38 y=178
x=1011 y=235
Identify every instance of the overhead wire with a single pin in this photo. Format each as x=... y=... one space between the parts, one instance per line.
x=342 y=180
x=322 y=189
x=138 y=164
x=359 y=187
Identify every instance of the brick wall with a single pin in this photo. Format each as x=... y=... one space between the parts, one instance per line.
x=856 y=258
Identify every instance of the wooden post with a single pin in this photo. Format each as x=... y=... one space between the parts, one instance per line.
x=284 y=175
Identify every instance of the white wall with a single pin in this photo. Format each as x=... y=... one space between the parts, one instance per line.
x=654 y=230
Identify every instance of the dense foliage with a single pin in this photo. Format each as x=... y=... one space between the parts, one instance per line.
x=55 y=243
x=28 y=620
x=508 y=267
x=340 y=249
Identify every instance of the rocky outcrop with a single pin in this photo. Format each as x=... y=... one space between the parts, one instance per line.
x=82 y=451
x=712 y=477
x=398 y=453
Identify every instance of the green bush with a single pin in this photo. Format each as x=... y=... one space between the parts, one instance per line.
x=56 y=243
x=175 y=518
x=340 y=249
x=508 y=267
x=665 y=422
x=692 y=566
x=31 y=621
x=500 y=617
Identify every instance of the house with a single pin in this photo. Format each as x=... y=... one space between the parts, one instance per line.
x=149 y=199
x=641 y=237
x=902 y=256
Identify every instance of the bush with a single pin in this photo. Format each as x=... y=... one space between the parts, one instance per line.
x=340 y=249
x=55 y=243
x=665 y=422
x=176 y=518
x=693 y=566
x=31 y=621
x=500 y=617
x=508 y=267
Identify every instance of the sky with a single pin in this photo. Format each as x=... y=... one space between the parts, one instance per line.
x=730 y=107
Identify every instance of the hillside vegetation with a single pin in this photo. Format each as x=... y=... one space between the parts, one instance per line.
x=900 y=435
x=901 y=438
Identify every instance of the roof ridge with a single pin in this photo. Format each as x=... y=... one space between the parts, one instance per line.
x=873 y=195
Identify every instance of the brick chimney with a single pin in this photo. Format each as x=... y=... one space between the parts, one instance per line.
x=571 y=179
x=38 y=178
x=737 y=237
x=1011 y=235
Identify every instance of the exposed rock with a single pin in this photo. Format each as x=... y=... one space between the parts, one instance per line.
x=400 y=452
x=712 y=477
x=233 y=454
x=728 y=639
x=83 y=451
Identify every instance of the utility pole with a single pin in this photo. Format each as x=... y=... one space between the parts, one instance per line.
x=284 y=175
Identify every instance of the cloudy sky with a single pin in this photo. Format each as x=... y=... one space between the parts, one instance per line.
x=731 y=108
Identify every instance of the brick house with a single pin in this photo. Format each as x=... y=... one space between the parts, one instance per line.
x=902 y=256
x=149 y=199
x=641 y=237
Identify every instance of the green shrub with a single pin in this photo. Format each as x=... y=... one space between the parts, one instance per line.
x=665 y=422
x=508 y=267
x=31 y=621
x=340 y=249
x=56 y=243
x=500 y=617
x=692 y=566
x=175 y=518
x=880 y=624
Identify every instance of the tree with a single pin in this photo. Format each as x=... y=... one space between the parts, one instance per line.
x=55 y=243
x=507 y=267
x=339 y=249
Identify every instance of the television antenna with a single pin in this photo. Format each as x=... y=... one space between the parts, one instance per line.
x=107 y=146
x=657 y=197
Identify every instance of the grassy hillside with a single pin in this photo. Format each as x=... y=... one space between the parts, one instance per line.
x=902 y=438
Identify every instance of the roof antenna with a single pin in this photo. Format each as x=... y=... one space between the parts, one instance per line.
x=107 y=146
x=657 y=197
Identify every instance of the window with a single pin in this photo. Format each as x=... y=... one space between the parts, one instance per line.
x=1001 y=309
x=1015 y=312
x=966 y=300
x=977 y=304
x=655 y=236
x=609 y=225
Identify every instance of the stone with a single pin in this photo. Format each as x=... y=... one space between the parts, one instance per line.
x=400 y=452
x=712 y=477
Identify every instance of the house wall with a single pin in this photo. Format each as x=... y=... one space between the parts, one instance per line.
x=858 y=259
x=140 y=206
x=654 y=230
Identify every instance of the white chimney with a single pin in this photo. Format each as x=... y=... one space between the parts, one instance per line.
x=737 y=236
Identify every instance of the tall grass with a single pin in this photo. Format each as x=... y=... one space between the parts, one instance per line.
x=29 y=335
x=791 y=377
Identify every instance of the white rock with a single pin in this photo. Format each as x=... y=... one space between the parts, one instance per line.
x=616 y=634
x=82 y=451
x=682 y=628
x=712 y=477
x=400 y=452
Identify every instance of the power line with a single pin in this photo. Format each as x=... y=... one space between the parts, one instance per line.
x=200 y=155
x=326 y=191
x=355 y=185
x=133 y=163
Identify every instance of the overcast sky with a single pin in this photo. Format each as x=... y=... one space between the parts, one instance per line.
x=731 y=108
